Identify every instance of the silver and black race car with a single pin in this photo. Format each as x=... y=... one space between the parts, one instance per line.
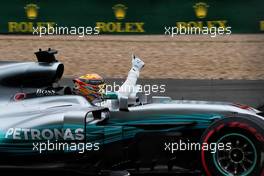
x=62 y=130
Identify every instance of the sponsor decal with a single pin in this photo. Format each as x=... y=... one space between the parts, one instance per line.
x=44 y=92
x=261 y=25
x=44 y=134
x=201 y=9
x=119 y=26
x=120 y=11
x=201 y=12
x=32 y=13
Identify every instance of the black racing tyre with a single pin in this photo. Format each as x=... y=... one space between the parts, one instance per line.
x=239 y=144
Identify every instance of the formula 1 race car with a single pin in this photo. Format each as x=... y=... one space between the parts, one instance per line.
x=59 y=130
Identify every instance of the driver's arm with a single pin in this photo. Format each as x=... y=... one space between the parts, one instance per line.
x=129 y=87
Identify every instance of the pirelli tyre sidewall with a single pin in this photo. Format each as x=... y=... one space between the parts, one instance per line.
x=246 y=156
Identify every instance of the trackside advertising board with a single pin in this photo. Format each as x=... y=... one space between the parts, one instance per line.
x=131 y=17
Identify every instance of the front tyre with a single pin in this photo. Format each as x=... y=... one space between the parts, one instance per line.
x=245 y=155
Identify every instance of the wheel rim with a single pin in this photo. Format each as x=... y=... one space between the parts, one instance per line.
x=240 y=160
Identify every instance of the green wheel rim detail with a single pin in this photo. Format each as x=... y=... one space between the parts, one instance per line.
x=225 y=172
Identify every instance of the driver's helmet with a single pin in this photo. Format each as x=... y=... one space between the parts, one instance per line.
x=91 y=86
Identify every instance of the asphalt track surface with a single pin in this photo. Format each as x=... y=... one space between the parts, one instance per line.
x=249 y=92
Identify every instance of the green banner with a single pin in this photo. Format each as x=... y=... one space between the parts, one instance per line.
x=132 y=17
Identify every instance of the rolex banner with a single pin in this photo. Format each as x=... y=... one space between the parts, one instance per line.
x=131 y=17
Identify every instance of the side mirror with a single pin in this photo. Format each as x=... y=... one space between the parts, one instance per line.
x=123 y=104
x=101 y=117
